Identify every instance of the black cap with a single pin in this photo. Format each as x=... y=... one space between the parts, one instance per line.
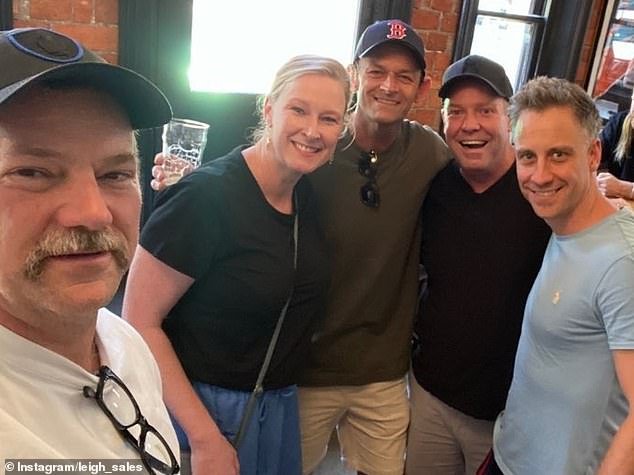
x=36 y=55
x=478 y=67
x=385 y=31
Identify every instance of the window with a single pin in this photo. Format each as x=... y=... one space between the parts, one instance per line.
x=528 y=37
x=242 y=56
x=612 y=77
x=506 y=31
x=155 y=40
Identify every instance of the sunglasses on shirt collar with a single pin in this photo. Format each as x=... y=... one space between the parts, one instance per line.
x=368 y=168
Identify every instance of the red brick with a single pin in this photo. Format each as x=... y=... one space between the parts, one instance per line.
x=433 y=95
x=430 y=59
x=18 y=23
x=444 y=5
x=21 y=9
x=436 y=41
x=436 y=77
x=449 y=23
x=96 y=37
x=112 y=58
x=427 y=116
x=82 y=11
x=442 y=61
x=51 y=10
x=422 y=4
x=425 y=19
x=107 y=11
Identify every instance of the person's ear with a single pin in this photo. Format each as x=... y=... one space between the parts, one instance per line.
x=423 y=88
x=267 y=112
x=353 y=72
x=595 y=155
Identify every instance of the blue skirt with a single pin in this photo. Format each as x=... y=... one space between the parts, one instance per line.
x=271 y=444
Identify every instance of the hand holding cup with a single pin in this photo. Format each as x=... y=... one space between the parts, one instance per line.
x=184 y=141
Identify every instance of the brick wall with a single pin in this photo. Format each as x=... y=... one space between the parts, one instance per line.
x=437 y=22
x=92 y=22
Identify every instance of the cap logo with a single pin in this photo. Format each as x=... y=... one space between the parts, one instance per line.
x=398 y=31
x=47 y=45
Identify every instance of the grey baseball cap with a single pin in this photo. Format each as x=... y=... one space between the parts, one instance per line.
x=37 y=55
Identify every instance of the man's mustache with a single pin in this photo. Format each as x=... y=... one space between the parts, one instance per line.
x=76 y=241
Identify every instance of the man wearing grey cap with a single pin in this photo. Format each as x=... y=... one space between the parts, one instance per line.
x=482 y=247
x=370 y=200
x=76 y=381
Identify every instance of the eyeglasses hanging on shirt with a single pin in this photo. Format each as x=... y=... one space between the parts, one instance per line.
x=119 y=405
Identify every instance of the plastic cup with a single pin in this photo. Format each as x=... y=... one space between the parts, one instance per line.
x=184 y=142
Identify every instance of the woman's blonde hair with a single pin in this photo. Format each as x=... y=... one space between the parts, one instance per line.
x=625 y=140
x=294 y=68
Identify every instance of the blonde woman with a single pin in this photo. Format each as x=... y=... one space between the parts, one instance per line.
x=215 y=267
x=617 y=157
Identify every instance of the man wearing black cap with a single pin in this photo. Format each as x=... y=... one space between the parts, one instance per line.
x=482 y=247
x=370 y=198
x=76 y=381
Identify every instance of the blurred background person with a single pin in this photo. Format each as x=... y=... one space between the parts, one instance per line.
x=215 y=267
x=616 y=172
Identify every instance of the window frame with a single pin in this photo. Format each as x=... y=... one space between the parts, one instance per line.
x=6 y=14
x=466 y=31
x=560 y=25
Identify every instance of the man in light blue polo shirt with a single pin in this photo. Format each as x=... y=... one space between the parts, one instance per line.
x=567 y=412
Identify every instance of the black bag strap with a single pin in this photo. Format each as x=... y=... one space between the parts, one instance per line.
x=258 y=389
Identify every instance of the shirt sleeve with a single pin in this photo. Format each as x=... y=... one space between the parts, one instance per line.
x=183 y=230
x=616 y=304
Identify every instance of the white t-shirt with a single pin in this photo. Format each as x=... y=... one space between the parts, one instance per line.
x=43 y=412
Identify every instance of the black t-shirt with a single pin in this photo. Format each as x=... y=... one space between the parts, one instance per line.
x=610 y=136
x=482 y=253
x=216 y=226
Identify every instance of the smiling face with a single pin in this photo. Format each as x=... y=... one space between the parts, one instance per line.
x=70 y=207
x=388 y=81
x=477 y=128
x=306 y=121
x=556 y=167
